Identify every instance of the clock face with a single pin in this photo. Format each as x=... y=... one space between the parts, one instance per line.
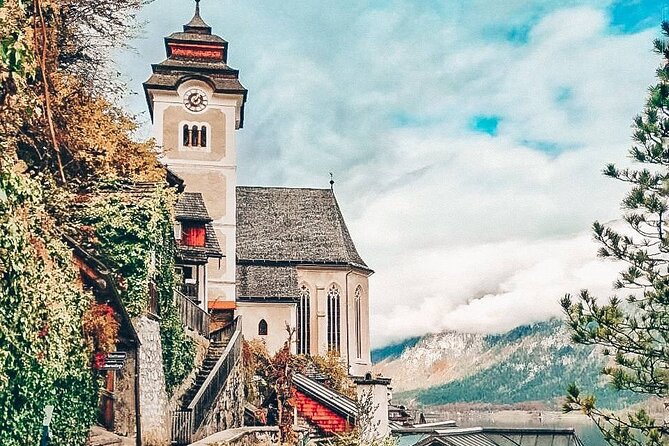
x=195 y=99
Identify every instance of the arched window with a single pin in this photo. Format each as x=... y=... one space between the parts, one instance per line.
x=358 y=320
x=304 y=322
x=203 y=136
x=186 y=136
x=194 y=136
x=334 y=316
x=262 y=327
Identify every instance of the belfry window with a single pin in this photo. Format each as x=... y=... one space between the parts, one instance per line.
x=194 y=136
x=262 y=327
x=334 y=319
x=303 y=322
x=358 y=321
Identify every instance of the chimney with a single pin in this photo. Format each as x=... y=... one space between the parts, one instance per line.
x=373 y=400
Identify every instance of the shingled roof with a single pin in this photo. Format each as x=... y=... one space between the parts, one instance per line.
x=267 y=283
x=191 y=207
x=195 y=53
x=293 y=225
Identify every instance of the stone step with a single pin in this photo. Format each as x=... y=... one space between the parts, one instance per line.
x=102 y=437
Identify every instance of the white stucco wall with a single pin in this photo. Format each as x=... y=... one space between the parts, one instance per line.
x=277 y=315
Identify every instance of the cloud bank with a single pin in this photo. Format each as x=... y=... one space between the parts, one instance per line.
x=466 y=139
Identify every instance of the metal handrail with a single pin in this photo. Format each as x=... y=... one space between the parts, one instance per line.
x=209 y=390
x=193 y=316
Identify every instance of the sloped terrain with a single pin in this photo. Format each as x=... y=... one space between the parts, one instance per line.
x=530 y=363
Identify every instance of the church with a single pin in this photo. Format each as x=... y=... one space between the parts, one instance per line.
x=282 y=258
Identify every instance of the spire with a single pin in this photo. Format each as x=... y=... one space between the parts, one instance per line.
x=196 y=24
x=331 y=181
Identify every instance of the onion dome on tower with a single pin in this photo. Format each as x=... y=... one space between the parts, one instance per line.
x=195 y=53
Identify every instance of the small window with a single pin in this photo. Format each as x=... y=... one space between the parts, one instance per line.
x=195 y=135
x=177 y=231
x=193 y=235
x=203 y=137
x=186 y=135
x=262 y=328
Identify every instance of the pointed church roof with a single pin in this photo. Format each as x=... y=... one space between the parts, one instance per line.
x=293 y=225
x=196 y=24
x=195 y=53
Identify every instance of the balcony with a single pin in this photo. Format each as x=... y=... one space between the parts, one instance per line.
x=190 y=290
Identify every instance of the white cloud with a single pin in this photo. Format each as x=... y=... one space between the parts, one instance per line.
x=485 y=288
x=383 y=94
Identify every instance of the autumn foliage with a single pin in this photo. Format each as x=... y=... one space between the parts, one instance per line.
x=101 y=328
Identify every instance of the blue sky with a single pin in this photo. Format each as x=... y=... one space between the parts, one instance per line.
x=466 y=137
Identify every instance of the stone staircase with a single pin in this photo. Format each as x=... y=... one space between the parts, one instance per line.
x=99 y=436
x=214 y=352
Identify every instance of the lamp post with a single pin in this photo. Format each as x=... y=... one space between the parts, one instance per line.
x=48 y=413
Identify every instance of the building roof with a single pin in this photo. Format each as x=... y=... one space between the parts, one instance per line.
x=294 y=225
x=267 y=282
x=489 y=436
x=191 y=207
x=327 y=397
x=195 y=53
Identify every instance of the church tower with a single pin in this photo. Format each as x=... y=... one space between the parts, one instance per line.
x=197 y=103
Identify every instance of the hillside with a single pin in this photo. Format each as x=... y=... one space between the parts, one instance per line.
x=530 y=363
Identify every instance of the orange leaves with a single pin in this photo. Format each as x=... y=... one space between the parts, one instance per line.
x=101 y=328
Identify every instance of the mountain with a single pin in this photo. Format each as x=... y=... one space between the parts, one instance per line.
x=529 y=363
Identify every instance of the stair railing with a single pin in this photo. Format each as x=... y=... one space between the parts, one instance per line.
x=211 y=387
x=227 y=331
x=193 y=316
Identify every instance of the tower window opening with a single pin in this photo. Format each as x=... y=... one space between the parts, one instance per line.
x=186 y=136
x=194 y=136
x=334 y=319
x=203 y=136
x=262 y=327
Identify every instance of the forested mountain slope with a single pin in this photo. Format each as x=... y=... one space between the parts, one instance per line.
x=529 y=363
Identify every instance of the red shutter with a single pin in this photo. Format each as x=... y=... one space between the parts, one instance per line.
x=193 y=236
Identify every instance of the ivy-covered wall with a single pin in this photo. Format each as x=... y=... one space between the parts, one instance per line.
x=131 y=231
x=43 y=354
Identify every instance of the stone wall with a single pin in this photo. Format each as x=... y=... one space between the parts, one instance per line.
x=124 y=397
x=154 y=407
x=228 y=410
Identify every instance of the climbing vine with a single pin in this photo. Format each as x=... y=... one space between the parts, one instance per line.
x=131 y=230
x=43 y=353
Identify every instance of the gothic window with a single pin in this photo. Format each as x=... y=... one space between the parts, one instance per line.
x=358 y=321
x=194 y=136
x=303 y=322
x=334 y=319
x=262 y=327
